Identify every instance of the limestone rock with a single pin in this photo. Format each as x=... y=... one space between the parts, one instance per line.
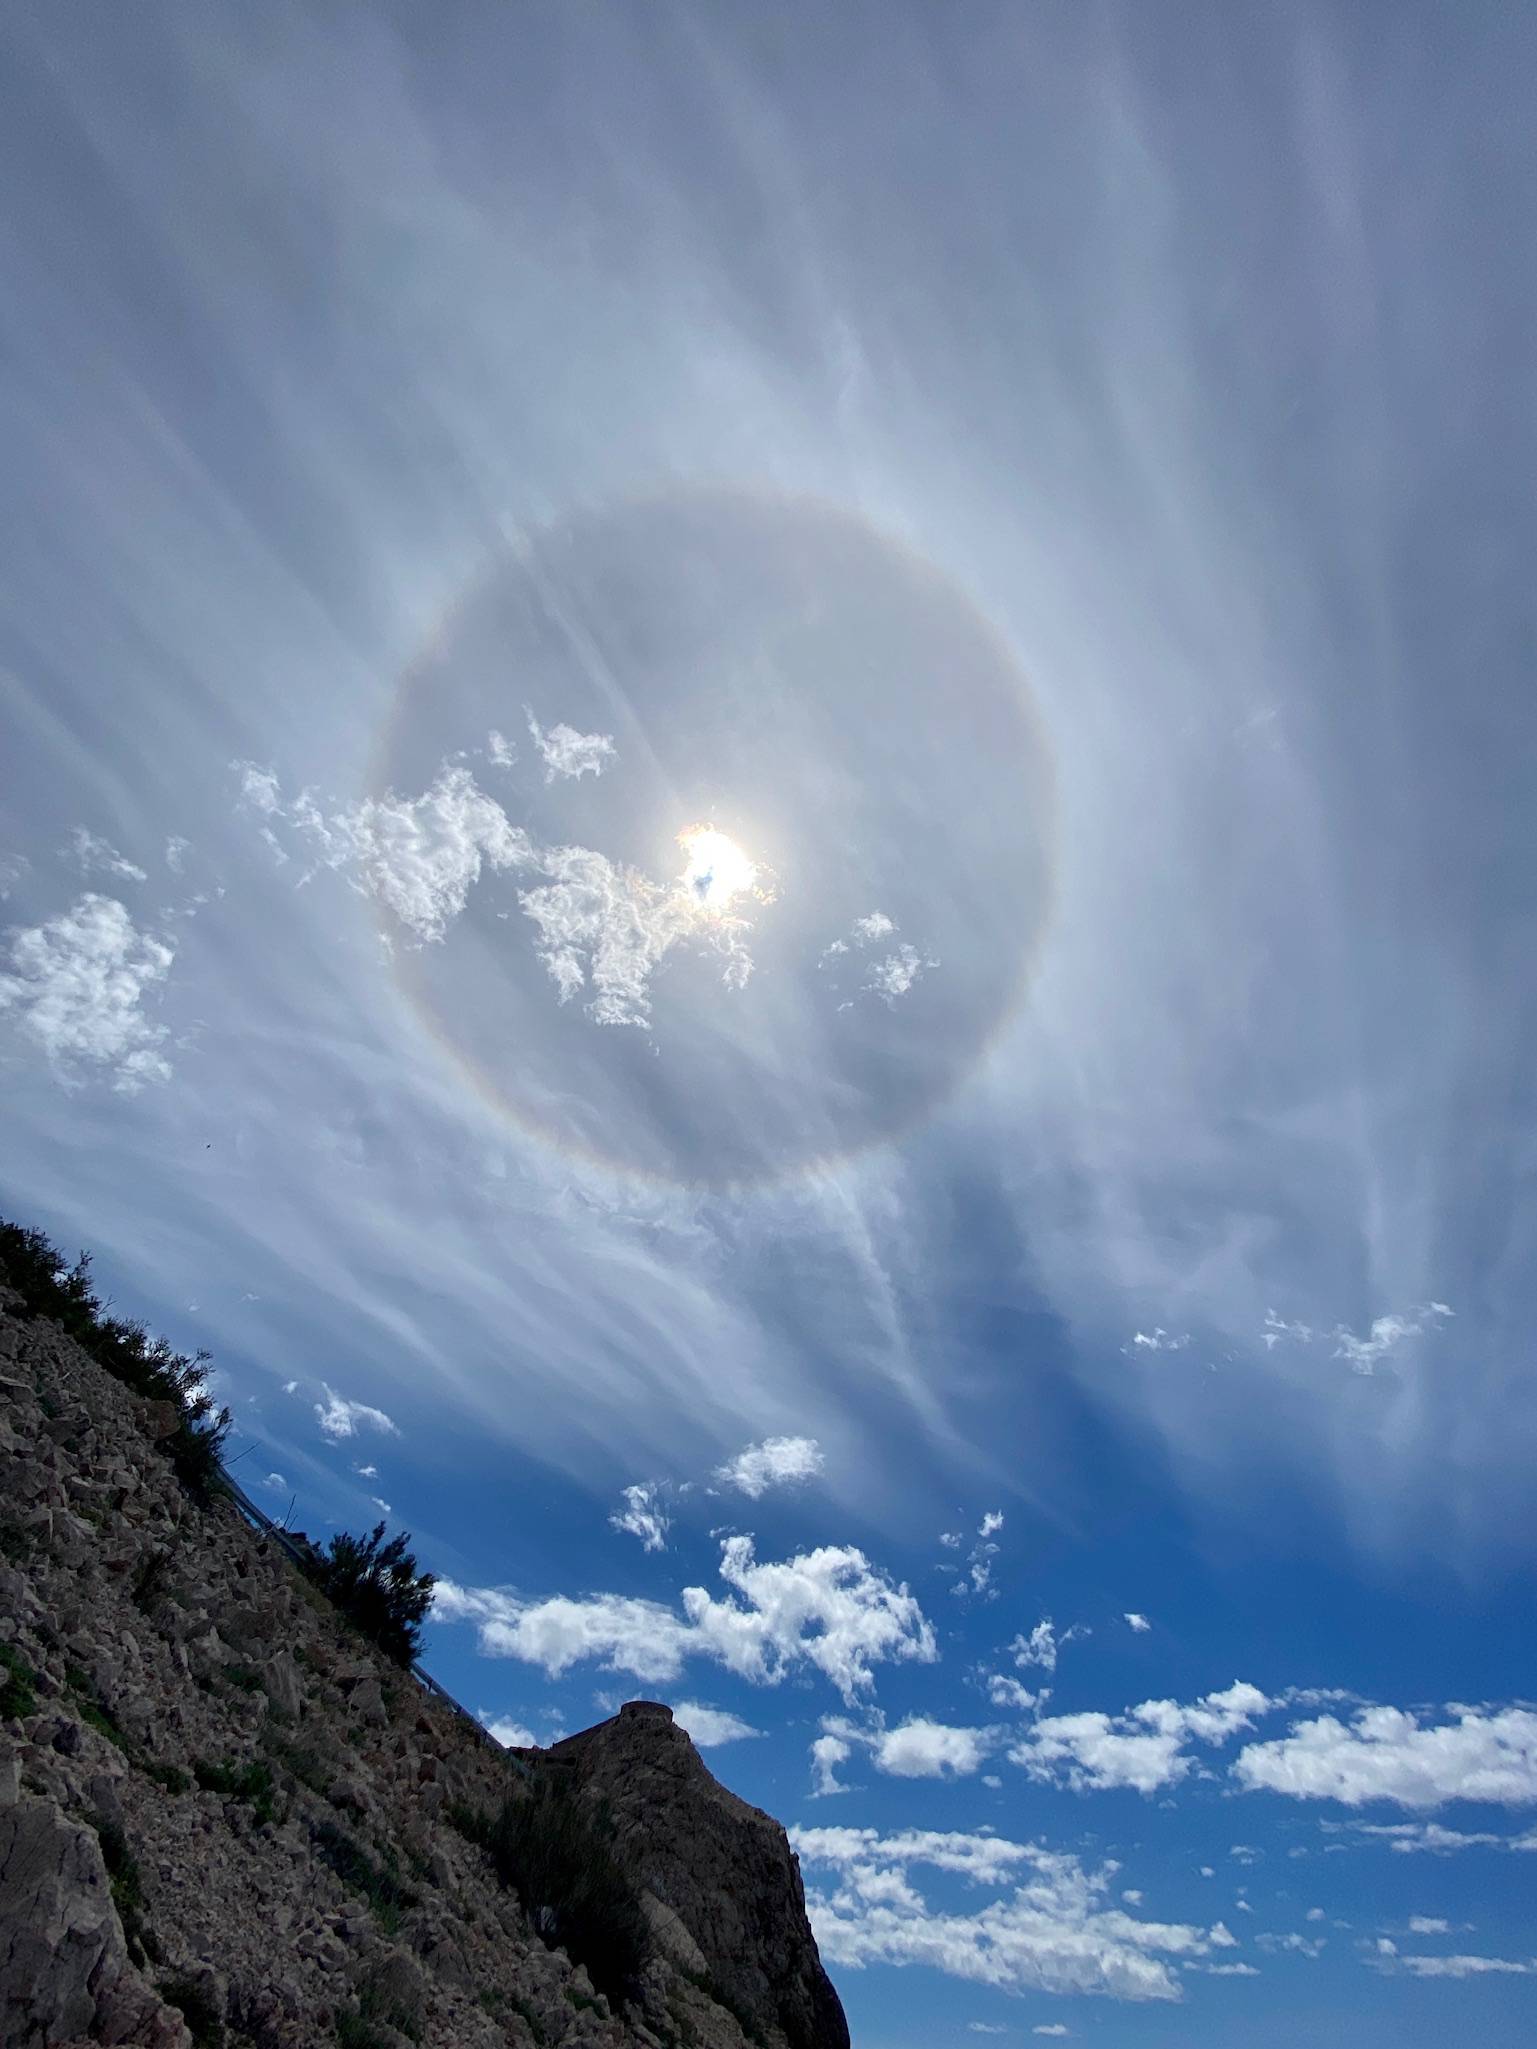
x=725 y=1869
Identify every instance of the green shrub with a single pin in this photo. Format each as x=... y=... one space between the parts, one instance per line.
x=48 y=1286
x=376 y=1586
x=379 y=1884
x=171 y=1777
x=204 y=2021
x=127 y=1893
x=251 y=1783
x=93 y=1712
x=17 y=1697
x=554 y=1847
x=150 y=1583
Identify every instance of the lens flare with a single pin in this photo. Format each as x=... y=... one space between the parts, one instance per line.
x=717 y=870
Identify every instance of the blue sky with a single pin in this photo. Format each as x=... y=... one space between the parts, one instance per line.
x=768 y=827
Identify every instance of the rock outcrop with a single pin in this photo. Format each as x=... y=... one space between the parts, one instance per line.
x=227 y=1823
x=721 y=1870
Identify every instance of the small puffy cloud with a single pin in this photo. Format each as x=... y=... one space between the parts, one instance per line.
x=366 y=1472
x=829 y=1609
x=642 y=1517
x=895 y=975
x=176 y=851
x=1007 y=1692
x=1159 y=1340
x=1049 y=1925
x=922 y=1749
x=776 y=1462
x=1147 y=1748
x=340 y=1418
x=510 y=1734
x=828 y=1752
x=1428 y=1924
x=1388 y=1754
x=1043 y=1646
x=76 y=988
x=1314 y=1914
x=710 y=1726
x=985 y=2028
x=991 y=1523
x=290 y=1387
x=275 y=1483
x=1057 y=2030
x=568 y=754
x=1139 y=1623
x=1238 y=1970
x=93 y=856
x=1386 y=1335
x=1291 y=1944
x=500 y=751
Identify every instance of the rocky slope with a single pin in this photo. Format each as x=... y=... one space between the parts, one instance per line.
x=225 y=1820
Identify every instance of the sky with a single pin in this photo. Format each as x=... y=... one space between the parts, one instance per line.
x=767 y=824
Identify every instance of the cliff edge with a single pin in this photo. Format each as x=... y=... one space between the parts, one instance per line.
x=227 y=1822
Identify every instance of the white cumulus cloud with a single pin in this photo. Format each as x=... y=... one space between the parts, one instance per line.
x=568 y=754
x=1043 y=1646
x=642 y=1517
x=1138 y=1623
x=1049 y=1927
x=510 y=1734
x=94 y=856
x=828 y=1608
x=922 y=1749
x=1386 y=1753
x=1146 y=1748
x=340 y=1418
x=776 y=1462
x=711 y=1726
x=77 y=986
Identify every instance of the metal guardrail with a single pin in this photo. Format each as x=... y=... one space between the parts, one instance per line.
x=301 y=1555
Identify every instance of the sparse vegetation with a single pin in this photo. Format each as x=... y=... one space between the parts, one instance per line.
x=554 y=1847
x=375 y=1584
x=251 y=1783
x=170 y=1776
x=127 y=1893
x=17 y=1697
x=49 y=1286
x=379 y=1884
x=204 y=2021
x=150 y=1583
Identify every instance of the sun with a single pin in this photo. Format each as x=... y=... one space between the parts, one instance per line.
x=717 y=869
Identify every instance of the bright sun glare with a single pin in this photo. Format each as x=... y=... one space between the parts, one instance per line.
x=717 y=868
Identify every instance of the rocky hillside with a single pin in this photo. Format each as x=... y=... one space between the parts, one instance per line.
x=225 y=1819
